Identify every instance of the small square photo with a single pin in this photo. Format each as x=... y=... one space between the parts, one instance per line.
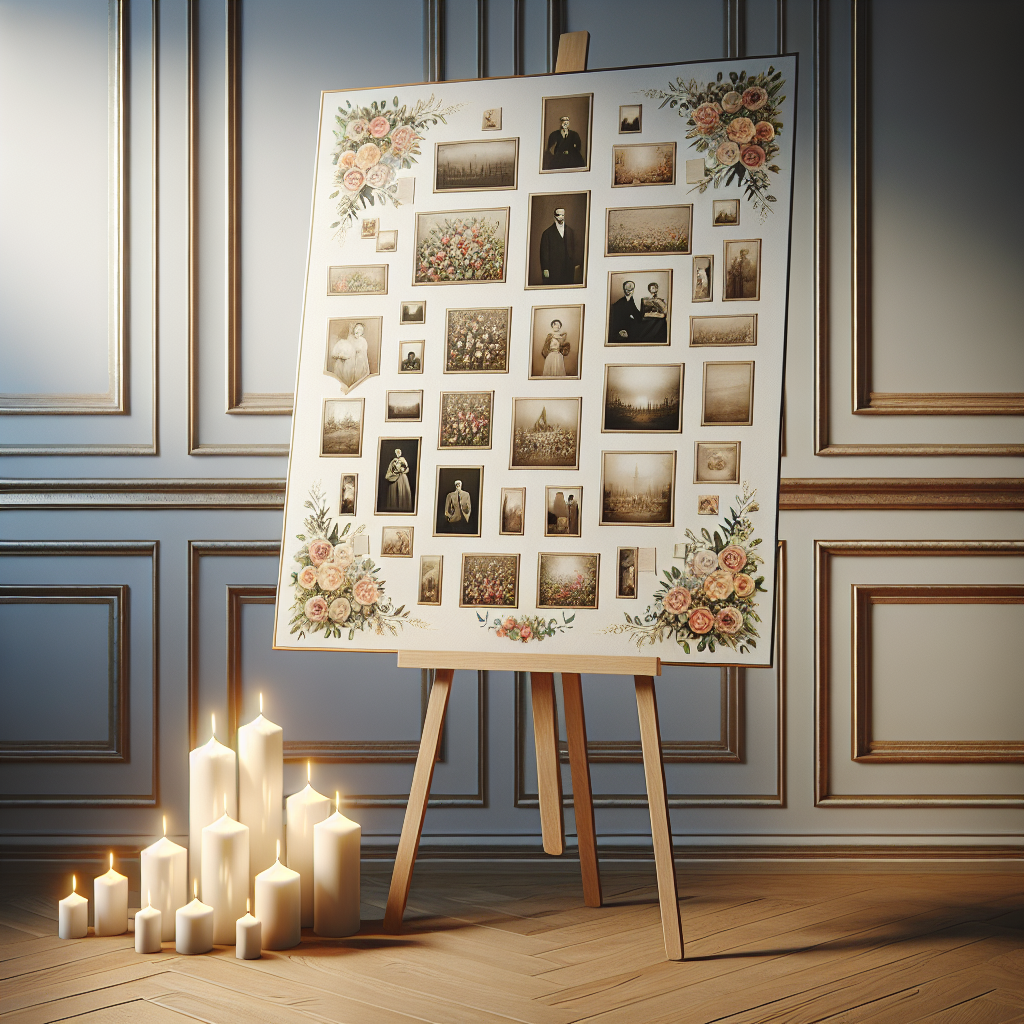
x=396 y=542
x=410 y=357
x=725 y=213
x=716 y=462
x=387 y=241
x=368 y=228
x=491 y=121
x=563 y=511
x=707 y=504
x=413 y=312
x=630 y=119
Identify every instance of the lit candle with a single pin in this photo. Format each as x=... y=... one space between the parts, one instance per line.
x=336 y=874
x=225 y=874
x=164 y=867
x=211 y=779
x=260 y=785
x=193 y=926
x=73 y=914
x=248 y=937
x=148 y=928
x=305 y=809
x=110 y=892
x=278 y=905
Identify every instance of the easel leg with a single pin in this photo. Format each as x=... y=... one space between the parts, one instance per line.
x=582 y=798
x=657 y=799
x=549 y=775
x=409 y=844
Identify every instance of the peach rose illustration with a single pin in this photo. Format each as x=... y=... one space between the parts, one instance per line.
x=701 y=621
x=752 y=157
x=743 y=584
x=365 y=590
x=379 y=176
x=353 y=179
x=729 y=621
x=307 y=577
x=379 y=127
x=369 y=153
x=704 y=561
x=330 y=577
x=677 y=600
x=727 y=153
x=509 y=623
x=320 y=550
x=403 y=139
x=315 y=609
x=340 y=609
x=343 y=556
x=754 y=98
x=525 y=633
x=732 y=558
x=347 y=159
x=740 y=129
x=764 y=132
x=731 y=102
x=501 y=631
x=718 y=586
x=706 y=118
x=357 y=128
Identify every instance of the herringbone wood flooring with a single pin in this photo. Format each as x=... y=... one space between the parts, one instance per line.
x=512 y=942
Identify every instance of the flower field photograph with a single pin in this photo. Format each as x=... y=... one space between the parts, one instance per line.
x=567 y=580
x=489 y=581
x=465 y=420
x=368 y=280
x=476 y=340
x=461 y=247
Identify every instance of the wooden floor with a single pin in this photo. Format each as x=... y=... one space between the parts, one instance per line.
x=495 y=943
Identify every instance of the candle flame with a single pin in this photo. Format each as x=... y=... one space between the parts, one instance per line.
x=309 y=769
x=261 y=703
x=213 y=724
x=337 y=801
x=195 y=888
x=165 y=824
x=74 y=883
x=279 y=849
x=111 y=862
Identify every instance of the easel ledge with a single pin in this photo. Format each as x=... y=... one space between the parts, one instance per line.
x=516 y=662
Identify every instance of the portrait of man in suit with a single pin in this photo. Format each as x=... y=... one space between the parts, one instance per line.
x=457 y=508
x=559 y=225
x=564 y=147
x=565 y=133
x=558 y=253
x=625 y=316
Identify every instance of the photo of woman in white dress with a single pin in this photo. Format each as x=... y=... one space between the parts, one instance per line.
x=353 y=350
x=556 y=348
x=556 y=338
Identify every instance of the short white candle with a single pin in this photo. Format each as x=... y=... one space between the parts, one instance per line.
x=278 y=906
x=164 y=877
x=148 y=928
x=305 y=809
x=225 y=874
x=110 y=895
x=248 y=936
x=73 y=914
x=336 y=874
x=193 y=926
x=211 y=780
x=260 y=785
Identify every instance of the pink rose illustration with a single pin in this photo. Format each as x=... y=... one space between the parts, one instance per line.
x=353 y=179
x=740 y=129
x=379 y=127
x=718 y=586
x=701 y=621
x=729 y=621
x=343 y=556
x=330 y=577
x=403 y=139
x=369 y=153
x=677 y=600
x=764 y=132
x=752 y=157
x=509 y=623
x=525 y=633
x=754 y=98
x=316 y=609
x=731 y=102
x=340 y=609
x=379 y=176
x=307 y=577
x=743 y=584
x=732 y=558
x=347 y=159
x=365 y=590
x=706 y=118
x=320 y=550
x=704 y=561
x=357 y=128
x=727 y=153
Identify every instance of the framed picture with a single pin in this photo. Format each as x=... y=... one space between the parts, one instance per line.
x=429 y=591
x=457 y=498
x=365 y=280
x=368 y=227
x=562 y=507
x=723 y=331
x=404 y=407
x=398 y=476
x=442 y=255
x=491 y=120
x=638 y=488
x=481 y=165
x=348 y=494
x=643 y=163
x=639 y=309
x=353 y=349
x=643 y=398
x=625 y=576
x=716 y=462
x=465 y=419
x=707 y=504
x=396 y=542
x=387 y=241
x=489 y=581
x=728 y=395
x=341 y=432
x=476 y=340
x=630 y=119
x=413 y=312
x=513 y=511
x=545 y=433
x=410 y=357
x=703 y=279
x=558 y=239
x=742 y=270
x=566 y=123
x=725 y=213
x=642 y=230
x=556 y=342
x=567 y=580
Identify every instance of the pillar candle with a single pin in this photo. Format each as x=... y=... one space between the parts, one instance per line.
x=193 y=926
x=278 y=906
x=211 y=779
x=225 y=874
x=148 y=928
x=110 y=896
x=164 y=867
x=305 y=809
x=260 y=785
x=73 y=914
x=248 y=936
x=336 y=875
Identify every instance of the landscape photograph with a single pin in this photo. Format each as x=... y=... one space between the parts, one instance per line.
x=638 y=488
x=728 y=399
x=545 y=433
x=342 y=427
x=481 y=165
x=643 y=398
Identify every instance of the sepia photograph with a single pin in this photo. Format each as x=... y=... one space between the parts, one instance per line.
x=703 y=278
x=566 y=123
x=643 y=398
x=625 y=578
x=491 y=120
x=707 y=504
x=349 y=493
x=404 y=406
x=430 y=579
x=457 y=501
x=558 y=239
x=396 y=542
x=742 y=270
x=638 y=488
x=640 y=230
x=723 y=331
x=567 y=580
x=489 y=581
x=461 y=246
x=630 y=119
x=725 y=213
x=513 y=511
x=483 y=165
x=639 y=307
x=476 y=340
x=643 y=163
x=353 y=349
x=387 y=241
x=728 y=395
x=410 y=357
x=465 y=420
x=367 y=280
x=398 y=476
x=563 y=506
x=368 y=227
x=545 y=433
x=413 y=312
x=342 y=427
x=557 y=338
x=716 y=462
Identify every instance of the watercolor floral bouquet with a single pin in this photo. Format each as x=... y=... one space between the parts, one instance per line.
x=527 y=627
x=461 y=248
x=735 y=123
x=713 y=601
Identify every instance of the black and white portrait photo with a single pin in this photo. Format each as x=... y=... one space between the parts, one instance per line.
x=398 y=476
x=556 y=339
x=565 y=132
x=742 y=270
x=353 y=349
x=629 y=119
x=410 y=357
x=349 y=494
x=625 y=579
x=639 y=307
x=558 y=240
x=703 y=278
x=457 y=501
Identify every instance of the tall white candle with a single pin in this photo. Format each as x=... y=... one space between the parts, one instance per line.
x=260 y=788
x=225 y=874
x=148 y=928
x=336 y=874
x=164 y=876
x=193 y=926
x=211 y=779
x=73 y=914
x=278 y=906
x=110 y=897
x=305 y=809
x=248 y=936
